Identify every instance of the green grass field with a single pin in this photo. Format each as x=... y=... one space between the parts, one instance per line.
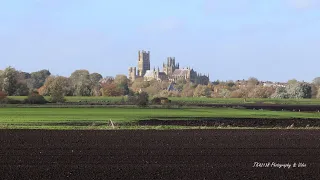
x=65 y=118
x=193 y=100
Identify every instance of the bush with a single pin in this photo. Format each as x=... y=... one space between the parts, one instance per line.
x=3 y=95
x=140 y=99
x=160 y=101
x=57 y=98
x=10 y=101
x=35 y=98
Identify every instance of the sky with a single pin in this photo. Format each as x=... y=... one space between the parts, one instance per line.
x=273 y=40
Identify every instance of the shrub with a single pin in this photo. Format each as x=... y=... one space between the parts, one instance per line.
x=57 y=98
x=3 y=95
x=35 y=98
x=160 y=101
x=10 y=101
x=140 y=99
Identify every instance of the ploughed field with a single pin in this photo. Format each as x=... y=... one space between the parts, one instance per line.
x=152 y=154
x=99 y=118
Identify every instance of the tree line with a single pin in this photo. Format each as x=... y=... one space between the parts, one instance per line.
x=84 y=83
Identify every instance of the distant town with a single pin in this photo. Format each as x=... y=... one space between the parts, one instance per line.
x=171 y=80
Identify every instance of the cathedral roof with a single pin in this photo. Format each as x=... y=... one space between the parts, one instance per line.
x=180 y=72
x=149 y=73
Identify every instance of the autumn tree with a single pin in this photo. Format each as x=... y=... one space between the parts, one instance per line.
x=318 y=94
x=180 y=84
x=9 y=85
x=316 y=81
x=261 y=92
x=3 y=95
x=110 y=89
x=242 y=92
x=81 y=83
x=45 y=89
x=188 y=90
x=58 y=89
x=138 y=84
x=95 y=82
x=95 y=78
x=1 y=79
x=37 y=79
x=122 y=83
x=202 y=91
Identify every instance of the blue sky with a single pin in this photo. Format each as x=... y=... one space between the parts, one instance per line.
x=230 y=39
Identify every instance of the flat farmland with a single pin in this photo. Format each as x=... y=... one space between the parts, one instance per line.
x=190 y=100
x=152 y=154
x=84 y=118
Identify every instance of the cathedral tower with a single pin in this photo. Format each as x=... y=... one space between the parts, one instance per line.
x=170 y=66
x=143 y=62
x=132 y=73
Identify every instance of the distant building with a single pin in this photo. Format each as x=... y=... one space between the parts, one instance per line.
x=170 y=71
x=273 y=84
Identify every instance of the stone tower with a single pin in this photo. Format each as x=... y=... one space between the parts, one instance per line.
x=170 y=66
x=143 y=62
x=132 y=73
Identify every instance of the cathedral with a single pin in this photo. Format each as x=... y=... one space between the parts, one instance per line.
x=170 y=71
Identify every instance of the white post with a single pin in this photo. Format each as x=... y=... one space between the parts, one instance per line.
x=112 y=124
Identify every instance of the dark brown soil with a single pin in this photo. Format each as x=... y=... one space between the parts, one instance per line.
x=235 y=122
x=272 y=107
x=150 y=154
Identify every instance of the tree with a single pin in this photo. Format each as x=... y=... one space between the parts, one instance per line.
x=57 y=90
x=240 y=93
x=45 y=89
x=108 y=79
x=261 y=92
x=202 y=91
x=140 y=99
x=180 y=84
x=252 y=82
x=121 y=79
x=299 y=90
x=21 y=89
x=95 y=82
x=38 y=78
x=294 y=90
x=138 y=84
x=188 y=90
x=216 y=82
x=1 y=79
x=111 y=90
x=314 y=90
x=35 y=98
x=3 y=95
x=122 y=82
x=280 y=93
x=10 y=81
x=292 y=81
x=81 y=83
x=95 y=78
x=318 y=94
x=223 y=93
x=316 y=81
x=230 y=84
